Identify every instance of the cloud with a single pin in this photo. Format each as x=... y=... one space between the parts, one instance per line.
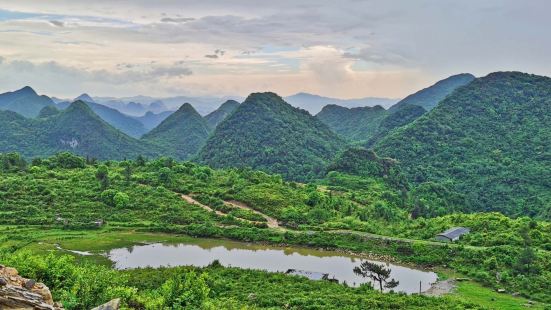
x=57 y=23
x=177 y=19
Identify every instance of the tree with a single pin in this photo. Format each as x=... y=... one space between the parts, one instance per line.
x=121 y=200
x=377 y=273
x=165 y=175
x=127 y=171
x=102 y=175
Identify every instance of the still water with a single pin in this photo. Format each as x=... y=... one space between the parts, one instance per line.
x=201 y=252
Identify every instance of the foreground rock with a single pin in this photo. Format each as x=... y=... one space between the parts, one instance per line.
x=17 y=292
x=111 y=305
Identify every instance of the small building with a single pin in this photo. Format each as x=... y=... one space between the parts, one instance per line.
x=452 y=234
x=312 y=275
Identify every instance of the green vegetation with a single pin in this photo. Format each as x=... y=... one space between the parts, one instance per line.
x=355 y=124
x=268 y=134
x=344 y=211
x=183 y=133
x=429 y=97
x=76 y=129
x=484 y=148
x=217 y=116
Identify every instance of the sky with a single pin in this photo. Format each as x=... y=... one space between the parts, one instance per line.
x=342 y=49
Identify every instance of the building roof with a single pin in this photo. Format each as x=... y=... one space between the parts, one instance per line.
x=312 y=275
x=455 y=232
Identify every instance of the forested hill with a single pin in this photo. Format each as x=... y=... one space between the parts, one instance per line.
x=76 y=129
x=24 y=101
x=113 y=117
x=182 y=134
x=429 y=97
x=356 y=124
x=217 y=116
x=268 y=134
x=490 y=141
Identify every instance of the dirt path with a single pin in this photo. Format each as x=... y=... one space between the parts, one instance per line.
x=271 y=222
x=441 y=288
x=192 y=201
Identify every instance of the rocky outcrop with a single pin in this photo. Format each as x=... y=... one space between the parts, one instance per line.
x=20 y=293
x=111 y=305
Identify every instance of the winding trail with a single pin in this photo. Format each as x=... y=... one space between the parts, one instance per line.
x=271 y=222
x=192 y=201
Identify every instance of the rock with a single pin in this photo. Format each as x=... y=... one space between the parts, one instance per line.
x=17 y=292
x=501 y=290
x=111 y=305
x=29 y=284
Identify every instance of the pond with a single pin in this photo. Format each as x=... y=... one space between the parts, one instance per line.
x=201 y=252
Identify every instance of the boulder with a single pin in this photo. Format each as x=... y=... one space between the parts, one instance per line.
x=111 y=305
x=20 y=293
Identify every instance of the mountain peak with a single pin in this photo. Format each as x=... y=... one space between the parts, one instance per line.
x=186 y=107
x=85 y=97
x=27 y=90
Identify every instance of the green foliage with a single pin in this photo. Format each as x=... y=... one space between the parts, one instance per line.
x=355 y=124
x=76 y=129
x=183 y=133
x=429 y=97
x=217 y=116
x=488 y=142
x=268 y=134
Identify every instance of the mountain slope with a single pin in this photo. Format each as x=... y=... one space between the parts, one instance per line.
x=24 y=101
x=76 y=129
x=151 y=120
x=356 y=124
x=429 y=97
x=398 y=118
x=267 y=133
x=489 y=141
x=314 y=103
x=183 y=133
x=216 y=117
x=113 y=117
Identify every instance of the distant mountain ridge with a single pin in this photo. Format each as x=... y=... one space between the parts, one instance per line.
x=114 y=117
x=315 y=103
x=24 y=101
x=429 y=97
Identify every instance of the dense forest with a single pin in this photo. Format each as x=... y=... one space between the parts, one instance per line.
x=268 y=134
x=183 y=133
x=487 y=144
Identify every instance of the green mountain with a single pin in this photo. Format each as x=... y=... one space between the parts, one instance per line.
x=488 y=142
x=24 y=101
x=77 y=129
x=113 y=117
x=48 y=111
x=151 y=120
x=266 y=133
x=429 y=97
x=184 y=132
x=217 y=116
x=398 y=118
x=355 y=124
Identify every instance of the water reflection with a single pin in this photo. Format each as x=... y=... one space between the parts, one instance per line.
x=202 y=252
